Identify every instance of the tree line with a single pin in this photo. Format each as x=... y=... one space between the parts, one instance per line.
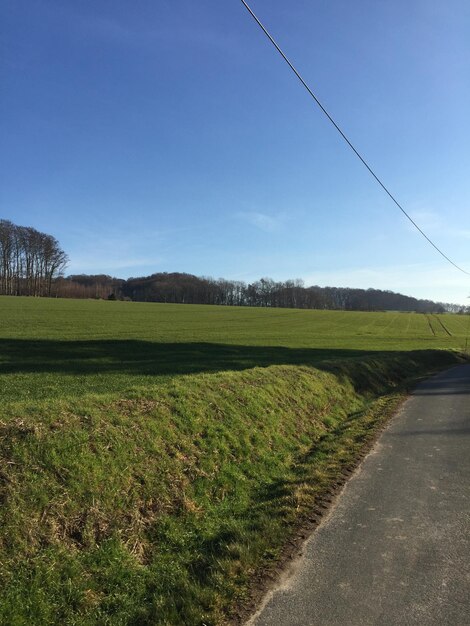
x=30 y=261
x=182 y=288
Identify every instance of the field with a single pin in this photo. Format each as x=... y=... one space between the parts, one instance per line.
x=156 y=458
x=62 y=348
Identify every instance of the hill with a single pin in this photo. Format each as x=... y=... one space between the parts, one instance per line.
x=156 y=458
x=182 y=288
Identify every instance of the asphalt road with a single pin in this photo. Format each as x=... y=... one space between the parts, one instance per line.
x=395 y=548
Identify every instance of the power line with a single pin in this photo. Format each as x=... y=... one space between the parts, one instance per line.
x=356 y=152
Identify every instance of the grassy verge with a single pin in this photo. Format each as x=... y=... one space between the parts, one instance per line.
x=160 y=507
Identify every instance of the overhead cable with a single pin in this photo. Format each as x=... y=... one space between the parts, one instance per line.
x=356 y=152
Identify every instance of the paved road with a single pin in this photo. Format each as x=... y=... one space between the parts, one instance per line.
x=395 y=549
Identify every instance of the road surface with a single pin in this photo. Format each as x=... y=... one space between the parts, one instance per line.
x=395 y=548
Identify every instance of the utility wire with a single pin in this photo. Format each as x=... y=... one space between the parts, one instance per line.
x=356 y=152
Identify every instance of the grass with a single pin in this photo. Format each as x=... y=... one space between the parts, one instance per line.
x=63 y=348
x=155 y=457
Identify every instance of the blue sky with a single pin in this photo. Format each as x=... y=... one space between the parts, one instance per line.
x=168 y=136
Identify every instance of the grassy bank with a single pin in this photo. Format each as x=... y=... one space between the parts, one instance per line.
x=158 y=504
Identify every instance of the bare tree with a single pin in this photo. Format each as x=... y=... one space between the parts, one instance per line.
x=29 y=260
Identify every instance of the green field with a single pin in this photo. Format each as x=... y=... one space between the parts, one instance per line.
x=155 y=458
x=60 y=348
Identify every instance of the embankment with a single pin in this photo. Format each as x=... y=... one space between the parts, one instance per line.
x=164 y=506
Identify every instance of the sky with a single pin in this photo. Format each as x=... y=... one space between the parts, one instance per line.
x=155 y=136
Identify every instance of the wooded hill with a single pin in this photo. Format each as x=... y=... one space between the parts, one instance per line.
x=182 y=288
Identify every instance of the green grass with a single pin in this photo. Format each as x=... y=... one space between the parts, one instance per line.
x=62 y=348
x=153 y=458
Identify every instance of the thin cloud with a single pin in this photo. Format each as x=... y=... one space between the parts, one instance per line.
x=433 y=222
x=109 y=265
x=463 y=233
x=262 y=221
x=427 y=220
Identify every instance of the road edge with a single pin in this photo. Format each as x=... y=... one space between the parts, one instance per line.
x=265 y=582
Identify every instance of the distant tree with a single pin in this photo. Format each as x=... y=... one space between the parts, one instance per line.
x=97 y=286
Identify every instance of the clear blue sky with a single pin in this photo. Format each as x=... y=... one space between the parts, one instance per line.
x=168 y=136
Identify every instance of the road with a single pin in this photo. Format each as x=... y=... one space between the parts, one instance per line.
x=395 y=548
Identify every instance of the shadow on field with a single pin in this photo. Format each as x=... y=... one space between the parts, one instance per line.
x=150 y=358
x=167 y=359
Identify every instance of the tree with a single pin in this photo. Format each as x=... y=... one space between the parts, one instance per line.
x=29 y=260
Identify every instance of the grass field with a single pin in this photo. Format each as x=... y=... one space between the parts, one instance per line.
x=154 y=458
x=61 y=348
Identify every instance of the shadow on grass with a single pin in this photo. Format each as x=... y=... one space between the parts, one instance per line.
x=157 y=359
x=145 y=358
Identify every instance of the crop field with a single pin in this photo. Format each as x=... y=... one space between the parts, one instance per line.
x=155 y=459
x=61 y=348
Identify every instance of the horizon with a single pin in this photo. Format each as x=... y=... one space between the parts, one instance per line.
x=175 y=137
